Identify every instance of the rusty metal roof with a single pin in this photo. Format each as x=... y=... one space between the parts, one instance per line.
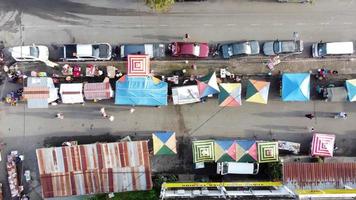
x=94 y=168
x=309 y=174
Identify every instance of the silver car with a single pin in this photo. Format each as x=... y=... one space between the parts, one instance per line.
x=240 y=48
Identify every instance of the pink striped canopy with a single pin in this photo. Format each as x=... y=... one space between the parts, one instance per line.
x=97 y=91
x=323 y=145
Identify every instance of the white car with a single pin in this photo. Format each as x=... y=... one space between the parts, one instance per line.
x=30 y=53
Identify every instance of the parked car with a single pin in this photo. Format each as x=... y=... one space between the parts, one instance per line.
x=153 y=50
x=84 y=52
x=321 y=49
x=283 y=47
x=194 y=49
x=29 y=53
x=240 y=48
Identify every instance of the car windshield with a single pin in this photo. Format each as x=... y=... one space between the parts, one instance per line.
x=322 y=49
x=34 y=52
x=276 y=47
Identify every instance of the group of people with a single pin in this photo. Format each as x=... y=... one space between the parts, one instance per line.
x=102 y=111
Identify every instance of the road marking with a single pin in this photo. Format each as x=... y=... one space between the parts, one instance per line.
x=300 y=24
x=325 y=23
x=277 y=24
x=231 y=24
x=163 y=25
x=347 y=23
x=254 y=24
x=207 y=24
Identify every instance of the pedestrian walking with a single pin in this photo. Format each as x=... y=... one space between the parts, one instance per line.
x=103 y=112
x=60 y=116
x=310 y=116
x=132 y=110
x=111 y=118
x=186 y=36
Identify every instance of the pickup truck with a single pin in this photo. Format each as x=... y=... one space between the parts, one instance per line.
x=277 y=47
x=153 y=50
x=86 y=52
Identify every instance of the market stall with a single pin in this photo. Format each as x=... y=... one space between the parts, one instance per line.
x=71 y=93
x=323 y=145
x=39 y=92
x=296 y=87
x=164 y=143
x=225 y=150
x=351 y=89
x=208 y=85
x=268 y=152
x=98 y=91
x=230 y=94
x=13 y=162
x=185 y=94
x=257 y=91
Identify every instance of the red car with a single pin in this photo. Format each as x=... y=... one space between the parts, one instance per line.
x=196 y=49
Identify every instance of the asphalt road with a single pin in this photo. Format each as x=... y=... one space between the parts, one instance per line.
x=121 y=21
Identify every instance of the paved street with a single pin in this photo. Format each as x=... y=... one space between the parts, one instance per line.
x=125 y=21
x=131 y=21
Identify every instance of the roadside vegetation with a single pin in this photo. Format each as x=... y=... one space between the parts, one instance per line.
x=160 y=5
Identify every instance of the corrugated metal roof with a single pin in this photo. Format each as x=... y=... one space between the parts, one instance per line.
x=94 y=168
x=307 y=174
x=36 y=92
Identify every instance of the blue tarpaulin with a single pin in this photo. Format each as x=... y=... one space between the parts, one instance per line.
x=144 y=91
x=296 y=87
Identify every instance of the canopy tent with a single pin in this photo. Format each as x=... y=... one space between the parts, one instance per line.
x=225 y=150
x=257 y=91
x=138 y=65
x=164 y=143
x=203 y=151
x=267 y=152
x=39 y=92
x=246 y=151
x=323 y=145
x=97 y=91
x=351 y=89
x=185 y=94
x=208 y=85
x=230 y=94
x=337 y=94
x=296 y=87
x=146 y=91
x=72 y=92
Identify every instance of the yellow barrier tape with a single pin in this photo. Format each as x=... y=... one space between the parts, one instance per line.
x=220 y=184
x=326 y=191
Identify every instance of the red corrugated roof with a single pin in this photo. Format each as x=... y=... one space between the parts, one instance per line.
x=36 y=92
x=94 y=168
x=307 y=174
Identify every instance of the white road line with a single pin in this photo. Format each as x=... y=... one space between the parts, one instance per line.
x=324 y=23
x=347 y=23
x=254 y=24
x=231 y=24
x=207 y=24
x=163 y=25
x=277 y=24
x=300 y=24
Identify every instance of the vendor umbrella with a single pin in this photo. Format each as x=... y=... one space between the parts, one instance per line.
x=351 y=89
x=246 y=151
x=230 y=94
x=164 y=143
x=257 y=91
x=225 y=150
x=208 y=85
x=267 y=152
x=323 y=145
x=203 y=151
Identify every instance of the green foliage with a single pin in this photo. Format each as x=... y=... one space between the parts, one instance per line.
x=160 y=5
x=139 y=195
x=272 y=171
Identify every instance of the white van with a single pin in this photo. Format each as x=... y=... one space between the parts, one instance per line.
x=236 y=168
x=322 y=49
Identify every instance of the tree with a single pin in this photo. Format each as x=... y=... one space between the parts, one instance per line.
x=160 y=5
